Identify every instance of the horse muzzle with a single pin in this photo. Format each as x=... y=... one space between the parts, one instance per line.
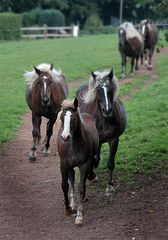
x=107 y=113
x=45 y=101
x=65 y=137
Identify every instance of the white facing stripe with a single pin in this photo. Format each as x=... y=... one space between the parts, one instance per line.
x=105 y=94
x=66 y=131
x=143 y=29
x=45 y=87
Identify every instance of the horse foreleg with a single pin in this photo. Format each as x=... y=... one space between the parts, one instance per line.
x=150 y=54
x=81 y=193
x=113 y=145
x=49 y=133
x=146 y=60
x=36 y=120
x=65 y=189
x=132 y=65
x=72 y=194
x=123 y=66
x=136 y=64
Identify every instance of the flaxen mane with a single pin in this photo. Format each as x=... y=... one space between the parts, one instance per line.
x=131 y=31
x=31 y=77
x=91 y=93
x=67 y=103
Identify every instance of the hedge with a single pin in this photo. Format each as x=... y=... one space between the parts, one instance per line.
x=10 y=25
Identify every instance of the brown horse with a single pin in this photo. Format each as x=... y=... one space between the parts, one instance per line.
x=78 y=144
x=45 y=89
x=100 y=99
x=130 y=44
x=150 y=34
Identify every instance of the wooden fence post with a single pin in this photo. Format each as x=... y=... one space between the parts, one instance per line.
x=45 y=31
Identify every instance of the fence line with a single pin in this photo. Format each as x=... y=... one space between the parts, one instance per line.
x=47 y=32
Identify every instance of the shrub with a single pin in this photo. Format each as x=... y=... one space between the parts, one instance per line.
x=10 y=25
x=93 y=23
x=51 y=17
x=31 y=18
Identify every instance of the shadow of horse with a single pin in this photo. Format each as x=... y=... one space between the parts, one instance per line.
x=78 y=144
x=151 y=36
x=130 y=44
x=100 y=99
x=45 y=90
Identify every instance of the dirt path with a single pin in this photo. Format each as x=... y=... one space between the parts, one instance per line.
x=31 y=200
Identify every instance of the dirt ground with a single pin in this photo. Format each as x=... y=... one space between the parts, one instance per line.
x=31 y=199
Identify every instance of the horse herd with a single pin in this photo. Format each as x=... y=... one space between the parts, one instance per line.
x=94 y=117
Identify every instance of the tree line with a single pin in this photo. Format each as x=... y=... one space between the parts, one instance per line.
x=78 y=11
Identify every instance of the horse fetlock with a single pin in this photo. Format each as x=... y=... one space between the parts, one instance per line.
x=109 y=190
x=149 y=66
x=79 y=220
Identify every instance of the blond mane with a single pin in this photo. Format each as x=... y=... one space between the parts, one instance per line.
x=131 y=31
x=91 y=93
x=31 y=77
x=67 y=103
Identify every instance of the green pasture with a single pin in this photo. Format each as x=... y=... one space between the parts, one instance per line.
x=144 y=143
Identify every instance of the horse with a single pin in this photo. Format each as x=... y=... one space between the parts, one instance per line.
x=100 y=99
x=130 y=44
x=78 y=144
x=46 y=88
x=150 y=34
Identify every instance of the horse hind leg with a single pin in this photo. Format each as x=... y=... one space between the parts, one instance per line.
x=150 y=54
x=113 y=145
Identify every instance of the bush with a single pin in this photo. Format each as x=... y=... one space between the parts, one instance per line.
x=31 y=18
x=10 y=25
x=93 y=23
x=51 y=17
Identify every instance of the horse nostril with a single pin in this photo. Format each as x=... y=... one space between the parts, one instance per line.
x=65 y=138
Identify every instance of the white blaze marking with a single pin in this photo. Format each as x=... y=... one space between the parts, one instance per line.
x=121 y=31
x=45 y=84
x=66 y=131
x=105 y=94
x=143 y=29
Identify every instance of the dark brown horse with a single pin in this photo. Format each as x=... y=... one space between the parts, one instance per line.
x=78 y=144
x=150 y=34
x=100 y=99
x=130 y=45
x=45 y=90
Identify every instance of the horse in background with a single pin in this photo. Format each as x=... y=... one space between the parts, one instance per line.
x=150 y=34
x=130 y=44
x=46 y=88
x=100 y=99
x=78 y=144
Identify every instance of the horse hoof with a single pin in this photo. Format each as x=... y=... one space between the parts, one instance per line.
x=109 y=190
x=68 y=211
x=149 y=67
x=79 y=221
x=32 y=158
x=146 y=63
x=46 y=152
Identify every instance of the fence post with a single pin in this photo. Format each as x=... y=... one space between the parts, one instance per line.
x=75 y=30
x=45 y=31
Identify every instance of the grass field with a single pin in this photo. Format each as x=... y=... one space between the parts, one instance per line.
x=144 y=143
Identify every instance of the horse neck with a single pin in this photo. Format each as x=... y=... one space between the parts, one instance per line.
x=79 y=131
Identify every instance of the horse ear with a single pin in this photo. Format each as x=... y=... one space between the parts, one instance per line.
x=93 y=75
x=37 y=70
x=76 y=103
x=110 y=75
x=51 y=66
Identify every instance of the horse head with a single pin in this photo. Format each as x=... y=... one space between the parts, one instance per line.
x=106 y=89
x=44 y=83
x=144 y=28
x=121 y=36
x=69 y=118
